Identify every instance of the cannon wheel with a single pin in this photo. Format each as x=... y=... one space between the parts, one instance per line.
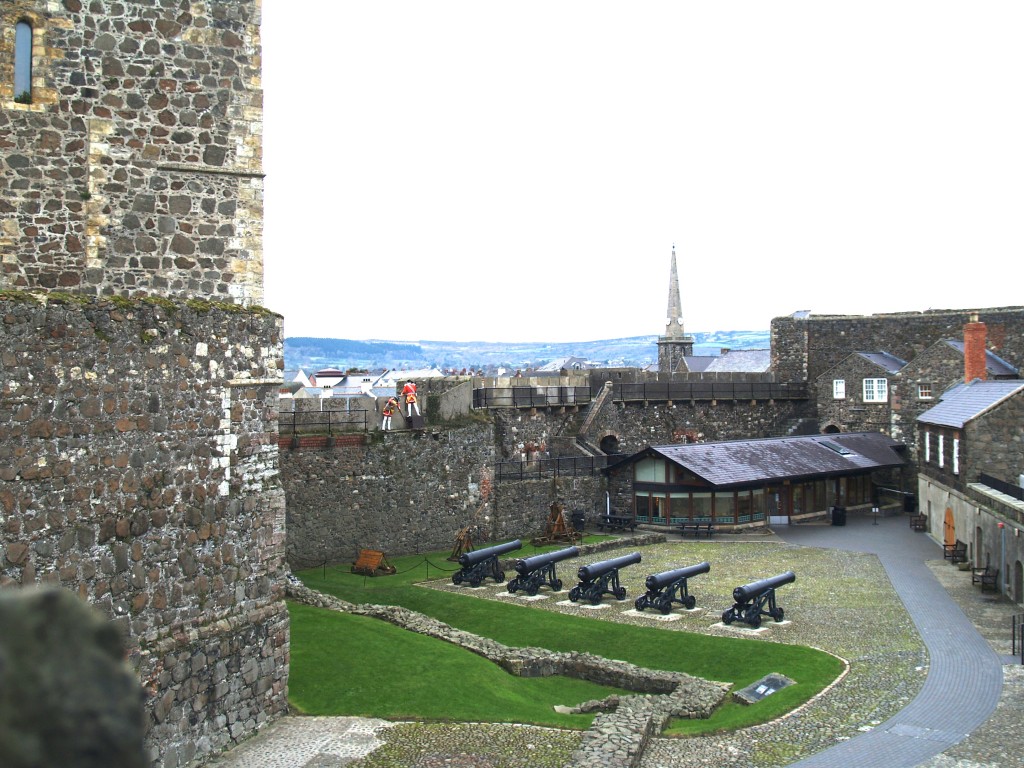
x=640 y=603
x=513 y=586
x=728 y=616
x=690 y=602
x=531 y=590
x=779 y=613
x=500 y=577
x=457 y=577
x=664 y=605
x=620 y=593
x=574 y=594
x=754 y=619
x=556 y=585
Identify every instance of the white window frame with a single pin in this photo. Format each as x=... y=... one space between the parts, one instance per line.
x=927 y=447
x=838 y=389
x=876 y=390
x=956 y=455
x=924 y=391
x=942 y=458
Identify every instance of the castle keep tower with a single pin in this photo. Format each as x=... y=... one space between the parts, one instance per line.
x=132 y=149
x=139 y=466
x=675 y=344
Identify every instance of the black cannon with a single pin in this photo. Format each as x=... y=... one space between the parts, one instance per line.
x=751 y=598
x=478 y=564
x=534 y=572
x=669 y=587
x=596 y=577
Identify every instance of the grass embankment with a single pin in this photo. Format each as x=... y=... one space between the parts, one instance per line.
x=357 y=666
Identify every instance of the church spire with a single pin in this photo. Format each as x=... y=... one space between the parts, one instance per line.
x=675 y=345
x=674 y=326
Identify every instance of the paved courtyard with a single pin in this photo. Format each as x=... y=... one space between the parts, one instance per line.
x=930 y=681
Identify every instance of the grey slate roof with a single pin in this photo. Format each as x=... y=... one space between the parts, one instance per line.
x=742 y=361
x=885 y=361
x=994 y=364
x=968 y=401
x=736 y=462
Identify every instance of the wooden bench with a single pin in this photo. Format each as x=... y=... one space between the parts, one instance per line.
x=987 y=577
x=919 y=522
x=697 y=530
x=955 y=552
x=615 y=523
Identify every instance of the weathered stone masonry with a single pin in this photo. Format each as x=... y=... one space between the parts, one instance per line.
x=138 y=469
x=136 y=169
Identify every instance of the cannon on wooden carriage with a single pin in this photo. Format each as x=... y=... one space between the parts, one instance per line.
x=534 y=572
x=669 y=587
x=481 y=563
x=751 y=599
x=599 y=578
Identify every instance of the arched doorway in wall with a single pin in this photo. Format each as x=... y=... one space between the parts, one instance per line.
x=831 y=429
x=948 y=529
x=610 y=445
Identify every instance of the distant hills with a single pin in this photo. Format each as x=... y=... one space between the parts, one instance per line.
x=312 y=354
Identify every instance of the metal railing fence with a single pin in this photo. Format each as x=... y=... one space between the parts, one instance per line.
x=318 y=422
x=561 y=466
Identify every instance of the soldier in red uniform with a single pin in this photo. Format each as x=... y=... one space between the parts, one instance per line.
x=409 y=392
x=389 y=410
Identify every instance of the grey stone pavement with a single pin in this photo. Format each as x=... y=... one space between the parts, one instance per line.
x=966 y=715
x=965 y=678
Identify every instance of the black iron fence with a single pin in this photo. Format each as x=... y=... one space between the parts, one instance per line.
x=1002 y=486
x=321 y=422
x=530 y=397
x=539 y=397
x=712 y=390
x=1018 y=636
x=561 y=466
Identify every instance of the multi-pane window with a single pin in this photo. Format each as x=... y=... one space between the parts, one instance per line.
x=956 y=456
x=876 y=390
x=838 y=389
x=924 y=391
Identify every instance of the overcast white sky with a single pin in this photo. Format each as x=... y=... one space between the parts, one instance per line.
x=520 y=171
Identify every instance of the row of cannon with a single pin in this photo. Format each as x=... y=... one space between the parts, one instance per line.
x=752 y=601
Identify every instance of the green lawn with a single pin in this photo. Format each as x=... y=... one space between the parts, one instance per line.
x=382 y=681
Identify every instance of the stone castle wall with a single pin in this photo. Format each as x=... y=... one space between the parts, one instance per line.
x=406 y=492
x=139 y=470
x=136 y=168
x=804 y=348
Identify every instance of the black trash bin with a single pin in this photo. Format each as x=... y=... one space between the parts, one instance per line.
x=838 y=515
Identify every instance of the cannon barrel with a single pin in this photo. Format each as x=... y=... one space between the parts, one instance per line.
x=661 y=580
x=528 y=565
x=748 y=592
x=469 y=559
x=596 y=570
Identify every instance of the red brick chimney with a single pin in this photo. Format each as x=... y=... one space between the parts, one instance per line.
x=974 y=350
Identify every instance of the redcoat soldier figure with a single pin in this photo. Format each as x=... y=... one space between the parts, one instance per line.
x=409 y=392
x=389 y=410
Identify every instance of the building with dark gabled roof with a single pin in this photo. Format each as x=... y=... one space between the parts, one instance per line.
x=740 y=484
